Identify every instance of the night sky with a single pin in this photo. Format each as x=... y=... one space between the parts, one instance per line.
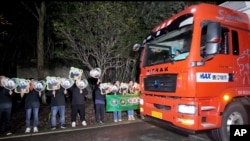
x=18 y=44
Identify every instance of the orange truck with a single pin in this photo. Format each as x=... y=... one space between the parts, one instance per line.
x=206 y=87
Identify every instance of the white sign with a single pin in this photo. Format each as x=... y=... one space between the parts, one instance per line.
x=212 y=77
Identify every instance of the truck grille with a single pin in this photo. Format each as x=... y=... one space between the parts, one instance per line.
x=161 y=83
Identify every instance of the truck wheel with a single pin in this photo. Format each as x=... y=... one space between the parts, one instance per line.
x=234 y=114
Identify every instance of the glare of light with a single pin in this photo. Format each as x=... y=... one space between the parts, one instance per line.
x=169 y=22
x=226 y=97
x=141 y=109
x=186 y=121
x=193 y=10
x=163 y=25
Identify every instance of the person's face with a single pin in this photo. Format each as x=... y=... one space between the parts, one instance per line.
x=32 y=82
x=117 y=82
x=130 y=83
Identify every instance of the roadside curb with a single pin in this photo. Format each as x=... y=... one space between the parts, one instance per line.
x=70 y=129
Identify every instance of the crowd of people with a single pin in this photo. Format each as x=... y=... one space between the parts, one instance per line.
x=58 y=105
x=117 y=88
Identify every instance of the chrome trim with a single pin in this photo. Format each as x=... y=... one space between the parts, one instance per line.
x=207 y=108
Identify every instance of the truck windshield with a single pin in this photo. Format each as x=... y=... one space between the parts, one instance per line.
x=173 y=46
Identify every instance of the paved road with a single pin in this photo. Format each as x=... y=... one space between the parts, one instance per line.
x=125 y=131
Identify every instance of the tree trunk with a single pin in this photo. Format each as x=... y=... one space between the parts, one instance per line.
x=40 y=41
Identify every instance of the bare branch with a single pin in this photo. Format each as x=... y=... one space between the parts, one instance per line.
x=3 y=21
x=30 y=10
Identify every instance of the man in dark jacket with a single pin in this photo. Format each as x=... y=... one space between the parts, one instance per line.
x=57 y=104
x=78 y=104
x=5 y=108
x=32 y=106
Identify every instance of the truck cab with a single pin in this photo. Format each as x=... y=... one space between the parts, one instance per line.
x=207 y=85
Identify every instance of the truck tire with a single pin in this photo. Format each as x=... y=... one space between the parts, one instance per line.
x=234 y=114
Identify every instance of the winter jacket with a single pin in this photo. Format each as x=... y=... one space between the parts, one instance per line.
x=5 y=98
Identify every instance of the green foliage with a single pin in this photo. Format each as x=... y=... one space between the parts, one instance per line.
x=155 y=12
x=95 y=29
x=101 y=34
x=106 y=26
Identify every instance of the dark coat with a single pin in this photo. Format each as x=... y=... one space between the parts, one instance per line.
x=59 y=99
x=5 y=98
x=32 y=99
x=76 y=96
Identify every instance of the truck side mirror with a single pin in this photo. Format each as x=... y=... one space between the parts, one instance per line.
x=213 y=38
x=136 y=47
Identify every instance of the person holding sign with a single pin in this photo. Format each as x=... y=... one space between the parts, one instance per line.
x=131 y=91
x=99 y=103
x=57 y=105
x=58 y=102
x=78 y=93
x=32 y=105
x=5 y=106
x=117 y=115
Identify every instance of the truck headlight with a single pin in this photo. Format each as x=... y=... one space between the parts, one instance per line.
x=141 y=101
x=187 y=109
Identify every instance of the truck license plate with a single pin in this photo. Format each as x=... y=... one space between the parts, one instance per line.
x=156 y=114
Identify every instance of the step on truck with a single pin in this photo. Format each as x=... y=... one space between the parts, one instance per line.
x=206 y=86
